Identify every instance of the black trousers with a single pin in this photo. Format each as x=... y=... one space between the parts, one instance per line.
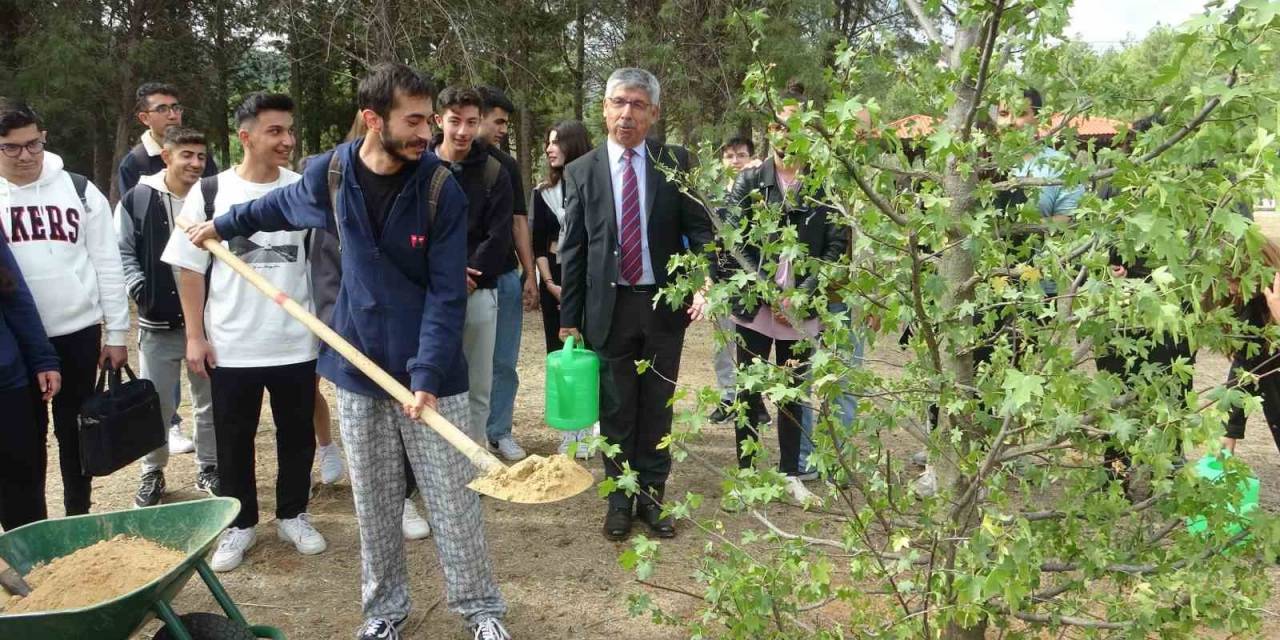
x=78 y=356
x=753 y=344
x=551 y=311
x=1162 y=354
x=22 y=458
x=634 y=407
x=1265 y=366
x=237 y=405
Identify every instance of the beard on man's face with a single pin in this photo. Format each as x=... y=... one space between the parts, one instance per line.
x=408 y=149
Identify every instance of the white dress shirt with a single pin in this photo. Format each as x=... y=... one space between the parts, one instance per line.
x=615 y=170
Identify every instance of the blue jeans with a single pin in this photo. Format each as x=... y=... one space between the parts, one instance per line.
x=846 y=406
x=506 y=353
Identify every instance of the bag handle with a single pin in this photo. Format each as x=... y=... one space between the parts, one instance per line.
x=111 y=378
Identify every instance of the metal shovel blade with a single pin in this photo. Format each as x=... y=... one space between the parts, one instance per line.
x=534 y=480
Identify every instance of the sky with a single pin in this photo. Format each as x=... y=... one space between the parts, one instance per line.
x=1106 y=23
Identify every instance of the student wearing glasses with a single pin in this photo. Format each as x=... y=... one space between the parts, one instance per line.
x=158 y=109
x=58 y=226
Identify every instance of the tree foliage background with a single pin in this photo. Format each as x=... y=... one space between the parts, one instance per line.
x=78 y=62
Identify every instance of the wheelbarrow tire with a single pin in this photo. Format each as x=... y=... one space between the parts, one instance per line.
x=209 y=626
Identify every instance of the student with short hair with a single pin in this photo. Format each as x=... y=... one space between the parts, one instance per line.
x=414 y=290
x=488 y=189
x=158 y=108
x=517 y=293
x=58 y=225
x=144 y=224
x=244 y=344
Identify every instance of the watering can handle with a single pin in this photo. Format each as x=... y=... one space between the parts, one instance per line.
x=568 y=348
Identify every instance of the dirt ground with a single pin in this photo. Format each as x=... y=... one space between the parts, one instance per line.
x=560 y=576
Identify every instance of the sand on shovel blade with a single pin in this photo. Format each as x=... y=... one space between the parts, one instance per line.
x=535 y=479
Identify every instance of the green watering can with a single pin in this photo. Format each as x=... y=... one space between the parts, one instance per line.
x=1210 y=469
x=573 y=387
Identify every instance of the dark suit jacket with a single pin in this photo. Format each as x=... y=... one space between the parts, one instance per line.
x=589 y=252
x=815 y=227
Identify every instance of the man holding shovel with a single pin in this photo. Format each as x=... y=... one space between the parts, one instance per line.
x=400 y=219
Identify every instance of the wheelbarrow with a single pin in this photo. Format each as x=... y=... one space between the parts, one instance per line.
x=189 y=527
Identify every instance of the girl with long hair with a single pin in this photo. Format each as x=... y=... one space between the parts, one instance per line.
x=567 y=141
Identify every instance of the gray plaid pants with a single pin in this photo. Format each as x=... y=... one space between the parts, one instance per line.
x=375 y=431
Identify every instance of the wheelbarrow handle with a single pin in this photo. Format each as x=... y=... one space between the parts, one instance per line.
x=481 y=458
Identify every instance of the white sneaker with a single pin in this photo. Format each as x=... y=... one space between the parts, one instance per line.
x=800 y=493
x=178 y=443
x=508 y=448
x=491 y=629
x=329 y=459
x=299 y=532
x=926 y=484
x=231 y=548
x=414 y=525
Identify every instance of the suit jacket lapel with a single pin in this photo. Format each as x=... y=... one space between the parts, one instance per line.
x=653 y=178
x=604 y=180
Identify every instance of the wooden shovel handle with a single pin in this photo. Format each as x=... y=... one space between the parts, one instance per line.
x=482 y=459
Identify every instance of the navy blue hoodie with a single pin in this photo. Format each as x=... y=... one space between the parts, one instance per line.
x=403 y=297
x=25 y=350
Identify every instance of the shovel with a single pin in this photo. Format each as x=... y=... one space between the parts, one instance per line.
x=523 y=484
x=12 y=581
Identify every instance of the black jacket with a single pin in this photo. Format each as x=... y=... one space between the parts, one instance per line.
x=149 y=228
x=815 y=227
x=489 y=239
x=589 y=253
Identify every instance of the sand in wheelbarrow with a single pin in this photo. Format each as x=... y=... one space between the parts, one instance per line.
x=534 y=479
x=94 y=574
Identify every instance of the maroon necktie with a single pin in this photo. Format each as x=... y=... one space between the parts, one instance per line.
x=632 y=264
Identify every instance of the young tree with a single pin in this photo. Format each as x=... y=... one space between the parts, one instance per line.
x=1008 y=300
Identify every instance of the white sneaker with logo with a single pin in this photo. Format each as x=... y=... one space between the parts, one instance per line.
x=414 y=525
x=508 y=448
x=178 y=443
x=299 y=532
x=231 y=548
x=329 y=459
x=800 y=493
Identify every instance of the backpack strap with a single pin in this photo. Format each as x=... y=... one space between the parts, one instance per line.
x=81 y=184
x=209 y=191
x=140 y=198
x=438 y=179
x=140 y=156
x=492 y=169
x=335 y=186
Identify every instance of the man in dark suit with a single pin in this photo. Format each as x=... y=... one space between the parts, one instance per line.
x=623 y=221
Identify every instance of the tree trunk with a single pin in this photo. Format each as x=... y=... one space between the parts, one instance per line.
x=580 y=72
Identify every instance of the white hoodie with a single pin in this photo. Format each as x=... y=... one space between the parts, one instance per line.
x=68 y=257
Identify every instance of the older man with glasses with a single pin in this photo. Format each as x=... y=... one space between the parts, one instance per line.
x=624 y=219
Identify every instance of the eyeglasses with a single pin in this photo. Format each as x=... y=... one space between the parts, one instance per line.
x=15 y=150
x=621 y=103
x=165 y=109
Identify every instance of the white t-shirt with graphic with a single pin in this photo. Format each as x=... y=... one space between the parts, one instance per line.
x=246 y=328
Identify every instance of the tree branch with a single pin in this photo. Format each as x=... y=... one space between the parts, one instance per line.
x=929 y=27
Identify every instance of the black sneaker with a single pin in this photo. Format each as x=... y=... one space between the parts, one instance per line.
x=379 y=629
x=208 y=482
x=151 y=489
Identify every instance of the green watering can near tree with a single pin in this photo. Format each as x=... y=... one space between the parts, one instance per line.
x=573 y=387
x=1211 y=469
